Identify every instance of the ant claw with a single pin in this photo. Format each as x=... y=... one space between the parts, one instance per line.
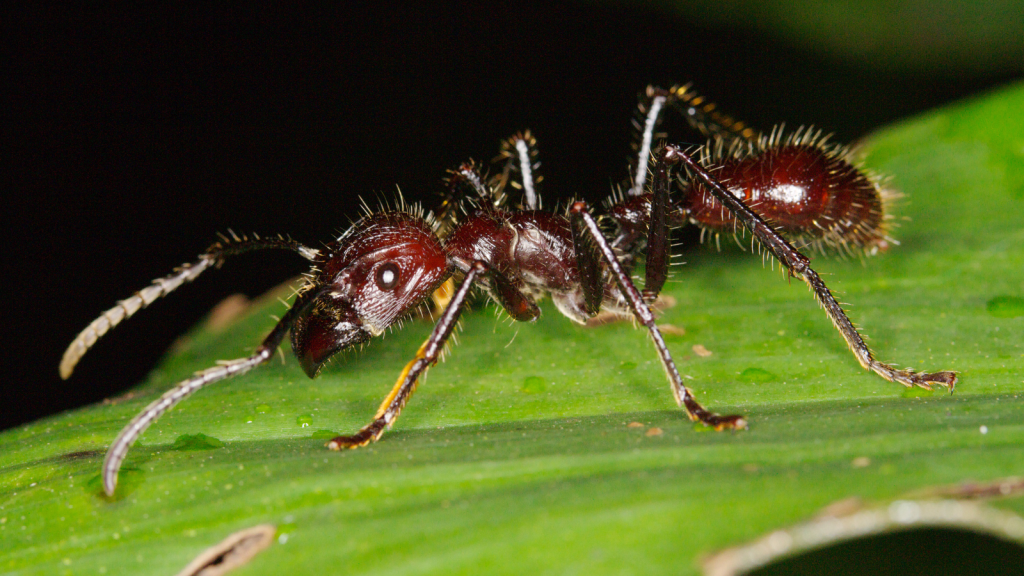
x=369 y=433
x=947 y=379
x=733 y=422
x=345 y=443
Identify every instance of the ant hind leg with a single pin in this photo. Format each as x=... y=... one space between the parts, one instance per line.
x=800 y=266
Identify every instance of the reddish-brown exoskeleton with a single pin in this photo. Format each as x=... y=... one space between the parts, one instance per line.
x=389 y=262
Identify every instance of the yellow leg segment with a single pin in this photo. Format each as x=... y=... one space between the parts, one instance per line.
x=386 y=404
x=442 y=297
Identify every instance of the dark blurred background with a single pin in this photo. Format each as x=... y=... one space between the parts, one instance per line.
x=131 y=137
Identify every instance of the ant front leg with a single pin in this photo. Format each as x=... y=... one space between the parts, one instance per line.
x=799 y=265
x=426 y=357
x=584 y=221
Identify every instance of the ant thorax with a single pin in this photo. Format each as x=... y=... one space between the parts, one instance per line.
x=532 y=249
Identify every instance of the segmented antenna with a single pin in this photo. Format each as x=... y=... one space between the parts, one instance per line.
x=126 y=308
x=520 y=155
x=161 y=287
x=119 y=448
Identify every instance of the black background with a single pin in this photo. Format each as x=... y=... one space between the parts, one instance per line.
x=132 y=137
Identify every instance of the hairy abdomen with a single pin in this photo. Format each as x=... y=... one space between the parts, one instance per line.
x=808 y=192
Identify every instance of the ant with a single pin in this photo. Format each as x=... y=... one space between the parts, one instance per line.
x=389 y=262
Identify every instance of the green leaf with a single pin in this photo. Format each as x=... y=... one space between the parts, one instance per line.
x=196 y=442
x=517 y=454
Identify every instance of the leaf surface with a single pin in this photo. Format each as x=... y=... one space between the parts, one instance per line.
x=517 y=456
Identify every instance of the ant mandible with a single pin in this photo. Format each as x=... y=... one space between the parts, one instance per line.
x=391 y=261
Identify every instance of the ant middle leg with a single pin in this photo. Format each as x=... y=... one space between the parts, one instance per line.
x=799 y=265
x=584 y=221
x=643 y=226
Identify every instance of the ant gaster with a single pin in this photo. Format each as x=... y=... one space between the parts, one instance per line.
x=389 y=262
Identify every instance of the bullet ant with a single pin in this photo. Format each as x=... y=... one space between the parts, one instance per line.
x=391 y=261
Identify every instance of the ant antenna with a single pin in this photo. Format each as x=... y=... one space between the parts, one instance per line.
x=214 y=256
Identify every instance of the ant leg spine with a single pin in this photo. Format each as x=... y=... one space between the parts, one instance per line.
x=119 y=447
x=468 y=173
x=861 y=350
x=161 y=287
x=698 y=113
x=684 y=397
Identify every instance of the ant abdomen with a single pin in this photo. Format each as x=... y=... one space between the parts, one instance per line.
x=807 y=190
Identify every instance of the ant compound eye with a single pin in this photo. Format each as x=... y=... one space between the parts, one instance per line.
x=387 y=276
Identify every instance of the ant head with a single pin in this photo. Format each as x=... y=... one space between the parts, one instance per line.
x=380 y=269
